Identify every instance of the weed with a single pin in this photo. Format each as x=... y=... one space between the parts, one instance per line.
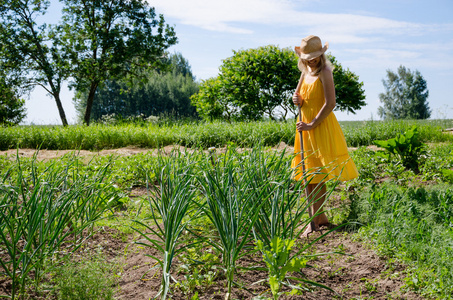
x=88 y=278
x=407 y=146
x=279 y=262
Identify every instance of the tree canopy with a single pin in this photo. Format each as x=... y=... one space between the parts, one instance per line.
x=349 y=92
x=163 y=92
x=252 y=84
x=29 y=50
x=111 y=38
x=95 y=41
x=405 y=97
x=12 y=109
x=259 y=83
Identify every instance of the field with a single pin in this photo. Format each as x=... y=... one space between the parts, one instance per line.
x=127 y=211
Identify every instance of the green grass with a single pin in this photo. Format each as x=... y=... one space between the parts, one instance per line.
x=363 y=133
x=413 y=225
x=87 y=278
x=406 y=216
x=201 y=134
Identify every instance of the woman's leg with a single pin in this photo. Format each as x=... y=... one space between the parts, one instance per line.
x=317 y=194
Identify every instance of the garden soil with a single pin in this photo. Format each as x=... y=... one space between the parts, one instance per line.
x=357 y=273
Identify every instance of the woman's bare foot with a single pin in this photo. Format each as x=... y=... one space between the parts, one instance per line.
x=321 y=220
x=309 y=230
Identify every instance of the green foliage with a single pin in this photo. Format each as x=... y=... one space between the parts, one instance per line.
x=30 y=51
x=413 y=225
x=12 y=109
x=41 y=211
x=200 y=267
x=170 y=204
x=160 y=133
x=258 y=83
x=230 y=209
x=90 y=278
x=155 y=93
x=405 y=96
x=349 y=92
x=407 y=146
x=109 y=39
x=448 y=175
x=363 y=133
x=252 y=84
x=94 y=41
x=279 y=262
x=210 y=103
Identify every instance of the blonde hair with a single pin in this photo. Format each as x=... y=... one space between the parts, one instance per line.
x=302 y=64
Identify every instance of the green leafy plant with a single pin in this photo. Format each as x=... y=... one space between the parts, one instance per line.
x=414 y=226
x=200 y=268
x=279 y=262
x=447 y=175
x=407 y=146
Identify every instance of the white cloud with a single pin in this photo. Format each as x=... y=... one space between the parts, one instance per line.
x=235 y=16
x=222 y=15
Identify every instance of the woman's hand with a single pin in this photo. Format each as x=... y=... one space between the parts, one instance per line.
x=297 y=99
x=301 y=126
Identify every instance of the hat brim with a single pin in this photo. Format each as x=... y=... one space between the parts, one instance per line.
x=312 y=54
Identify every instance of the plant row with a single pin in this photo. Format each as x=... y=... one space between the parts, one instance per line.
x=247 y=202
x=201 y=134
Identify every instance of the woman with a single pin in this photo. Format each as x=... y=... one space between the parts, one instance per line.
x=324 y=146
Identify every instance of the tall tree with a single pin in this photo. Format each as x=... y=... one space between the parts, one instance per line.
x=258 y=83
x=162 y=92
x=107 y=39
x=349 y=92
x=29 y=51
x=12 y=109
x=252 y=84
x=405 y=97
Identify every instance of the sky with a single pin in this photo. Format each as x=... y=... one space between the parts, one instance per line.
x=367 y=37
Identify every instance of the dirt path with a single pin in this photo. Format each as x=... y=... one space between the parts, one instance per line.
x=359 y=274
x=44 y=154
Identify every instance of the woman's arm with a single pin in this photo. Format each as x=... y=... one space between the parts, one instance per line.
x=326 y=78
x=297 y=99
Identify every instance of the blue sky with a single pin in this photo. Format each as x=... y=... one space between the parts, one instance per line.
x=368 y=37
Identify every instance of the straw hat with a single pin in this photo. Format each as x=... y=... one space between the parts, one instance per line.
x=311 y=47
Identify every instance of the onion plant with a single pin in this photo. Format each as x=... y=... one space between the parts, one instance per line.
x=282 y=209
x=282 y=215
x=92 y=192
x=229 y=207
x=170 y=205
x=35 y=216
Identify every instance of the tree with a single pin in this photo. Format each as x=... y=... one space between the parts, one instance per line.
x=210 y=103
x=29 y=51
x=405 y=96
x=349 y=92
x=108 y=39
x=258 y=83
x=164 y=92
x=97 y=40
x=252 y=84
x=12 y=109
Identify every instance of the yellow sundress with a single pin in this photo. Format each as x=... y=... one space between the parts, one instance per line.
x=325 y=150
